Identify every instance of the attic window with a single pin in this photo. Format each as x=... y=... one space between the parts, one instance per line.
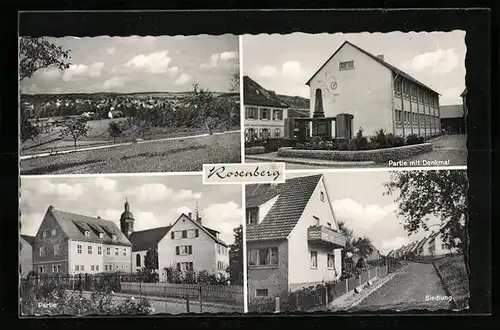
x=101 y=235
x=349 y=65
x=87 y=233
x=114 y=237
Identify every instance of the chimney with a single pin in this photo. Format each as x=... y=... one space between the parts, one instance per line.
x=51 y=207
x=199 y=220
x=318 y=106
x=190 y=215
x=381 y=56
x=98 y=217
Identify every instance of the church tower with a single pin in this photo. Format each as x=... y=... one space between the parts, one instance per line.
x=127 y=220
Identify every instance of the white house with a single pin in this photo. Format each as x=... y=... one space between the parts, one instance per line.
x=436 y=246
x=265 y=113
x=190 y=246
x=26 y=254
x=376 y=93
x=292 y=236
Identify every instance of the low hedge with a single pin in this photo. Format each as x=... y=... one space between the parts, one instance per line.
x=270 y=145
x=378 y=155
x=255 y=150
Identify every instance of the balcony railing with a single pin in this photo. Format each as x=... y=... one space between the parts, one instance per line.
x=325 y=235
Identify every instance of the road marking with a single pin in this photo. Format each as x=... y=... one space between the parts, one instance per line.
x=378 y=287
x=46 y=154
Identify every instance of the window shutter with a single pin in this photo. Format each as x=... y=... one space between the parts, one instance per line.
x=172 y=235
x=190 y=249
x=177 y=250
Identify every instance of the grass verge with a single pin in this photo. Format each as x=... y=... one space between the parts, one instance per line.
x=454 y=275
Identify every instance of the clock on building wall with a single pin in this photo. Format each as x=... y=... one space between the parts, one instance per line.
x=328 y=85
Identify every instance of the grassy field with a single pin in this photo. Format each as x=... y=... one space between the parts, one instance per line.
x=185 y=155
x=454 y=275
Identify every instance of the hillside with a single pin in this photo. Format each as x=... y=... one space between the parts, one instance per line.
x=100 y=96
x=295 y=102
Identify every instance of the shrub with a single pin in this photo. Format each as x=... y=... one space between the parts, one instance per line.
x=414 y=139
x=380 y=139
x=360 y=141
x=395 y=141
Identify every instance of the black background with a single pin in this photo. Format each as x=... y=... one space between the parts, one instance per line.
x=480 y=63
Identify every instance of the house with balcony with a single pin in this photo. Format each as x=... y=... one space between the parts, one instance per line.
x=265 y=113
x=292 y=236
x=71 y=243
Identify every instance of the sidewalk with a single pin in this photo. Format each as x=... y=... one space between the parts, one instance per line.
x=352 y=299
x=46 y=154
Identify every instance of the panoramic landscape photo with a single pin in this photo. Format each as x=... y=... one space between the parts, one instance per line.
x=128 y=104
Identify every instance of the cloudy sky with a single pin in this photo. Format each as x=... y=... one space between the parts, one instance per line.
x=155 y=201
x=284 y=63
x=140 y=64
x=358 y=200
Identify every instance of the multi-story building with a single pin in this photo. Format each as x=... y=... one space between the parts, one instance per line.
x=292 y=236
x=74 y=243
x=265 y=113
x=376 y=93
x=190 y=246
x=26 y=254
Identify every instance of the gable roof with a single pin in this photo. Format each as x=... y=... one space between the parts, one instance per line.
x=74 y=226
x=147 y=239
x=255 y=94
x=381 y=61
x=451 y=111
x=286 y=211
x=212 y=233
x=29 y=239
x=390 y=253
x=298 y=113
x=421 y=243
x=258 y=194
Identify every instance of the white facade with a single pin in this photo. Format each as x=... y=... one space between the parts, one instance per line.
x=93 y=258
x=188 y=246
x=25 y=257
x=309 y=265
x=137 y=265
x=265 y=122
x=437 y=247
x=355 y=83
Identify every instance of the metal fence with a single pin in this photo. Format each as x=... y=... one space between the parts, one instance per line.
x=316 y=297
x=162 y=297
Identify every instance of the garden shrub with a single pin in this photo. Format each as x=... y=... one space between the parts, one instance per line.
x=360 y=141
x=395 y=141
x=380 y=139
x=414 y=139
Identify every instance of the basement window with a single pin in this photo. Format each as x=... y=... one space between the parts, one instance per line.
x=261 y=292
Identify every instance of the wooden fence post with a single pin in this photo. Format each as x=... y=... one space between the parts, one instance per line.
x=199 y=297
x=346 y=285
x=277 y=304
x=187 y=303
x=165 y=297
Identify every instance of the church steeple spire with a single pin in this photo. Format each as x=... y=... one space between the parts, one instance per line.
x=127 y=220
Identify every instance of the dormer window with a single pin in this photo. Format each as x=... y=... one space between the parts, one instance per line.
x=87 y=233
x=101 y=235
x=252 y=216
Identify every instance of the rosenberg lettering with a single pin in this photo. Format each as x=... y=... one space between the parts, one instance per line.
x=221 y=173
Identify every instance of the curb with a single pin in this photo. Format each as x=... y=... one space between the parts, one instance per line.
x=446 y=288
x=390 y=277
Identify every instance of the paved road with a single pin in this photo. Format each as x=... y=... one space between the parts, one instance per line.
x=407 y=290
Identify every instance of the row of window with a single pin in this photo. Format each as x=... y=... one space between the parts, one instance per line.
x=42 y=251
x=263 y=114
x=408 y=117
x=55 y=269
x=185 y=266
x=79 y=250
x=186 y=233
x=45 y=233
x=101 y=235
x=221 y=266
x=330 y=260
x=262 y=134
x=414 y=92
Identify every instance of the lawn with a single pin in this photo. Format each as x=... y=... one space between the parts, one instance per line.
x=454 y=275
x=185 y=155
